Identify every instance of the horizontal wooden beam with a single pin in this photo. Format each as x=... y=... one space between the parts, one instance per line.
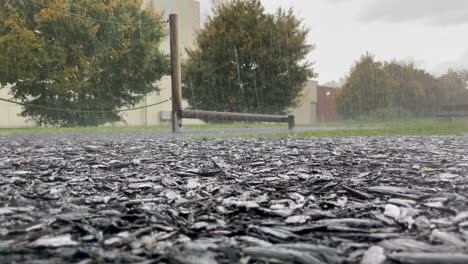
x=453 y=115
x=225 y=116
x=455 y=107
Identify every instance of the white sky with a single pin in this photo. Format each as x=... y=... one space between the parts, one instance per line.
x=431 y=33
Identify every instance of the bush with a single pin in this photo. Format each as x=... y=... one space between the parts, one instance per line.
x=387 y=114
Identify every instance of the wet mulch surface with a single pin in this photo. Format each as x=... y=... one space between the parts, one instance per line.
x=318 y=200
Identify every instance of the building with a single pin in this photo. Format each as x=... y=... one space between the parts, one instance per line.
x=326 y=110
x=316 y=105
x=305 y=113
x=9 y=112
x=189 y=23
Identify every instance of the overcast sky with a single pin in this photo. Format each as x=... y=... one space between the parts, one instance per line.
x=431 y=33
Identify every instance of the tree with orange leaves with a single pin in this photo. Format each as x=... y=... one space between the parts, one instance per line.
x=87 y=55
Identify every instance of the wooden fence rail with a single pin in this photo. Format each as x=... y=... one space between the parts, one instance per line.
x=453 y=111
x=459 y=107
x=225 y=116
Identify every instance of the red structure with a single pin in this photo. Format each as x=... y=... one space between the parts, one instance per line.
x=325 y=104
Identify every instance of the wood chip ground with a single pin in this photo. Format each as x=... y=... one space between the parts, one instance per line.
x=76 y=199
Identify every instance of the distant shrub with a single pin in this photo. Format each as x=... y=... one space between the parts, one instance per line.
x=387 y=114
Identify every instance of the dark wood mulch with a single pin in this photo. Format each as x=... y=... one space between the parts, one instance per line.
x=317 y=200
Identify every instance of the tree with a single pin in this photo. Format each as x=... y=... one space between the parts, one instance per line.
x=247 y=60
x=398 y=87
x=416 y=90
x=61 y=61
x=453 y=87
x=368 y=88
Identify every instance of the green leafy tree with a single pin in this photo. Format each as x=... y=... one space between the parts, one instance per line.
x=61 y=61
x=247 y=60
x=397 y=88
x=416 y=90
x=453 y=87
x=368 y=88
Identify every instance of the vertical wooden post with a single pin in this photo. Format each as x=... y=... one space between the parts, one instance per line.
x=291 y=122
x=175 y=75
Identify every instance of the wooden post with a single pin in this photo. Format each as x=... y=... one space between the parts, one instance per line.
x=175 y=75
x=291 y=122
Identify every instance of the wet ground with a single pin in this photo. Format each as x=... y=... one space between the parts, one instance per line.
x=144 y=198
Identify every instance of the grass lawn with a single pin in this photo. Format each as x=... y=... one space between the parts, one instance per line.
x=339 y=129
x=418 y=127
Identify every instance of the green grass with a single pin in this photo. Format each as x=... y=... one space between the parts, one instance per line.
x=394 y=128
x=339 y=129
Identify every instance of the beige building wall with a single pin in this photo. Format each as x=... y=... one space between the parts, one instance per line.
x=9 y=112
x=306 y=112
x=189 y=24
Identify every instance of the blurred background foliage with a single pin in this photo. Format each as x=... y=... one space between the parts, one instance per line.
x=392 y=90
